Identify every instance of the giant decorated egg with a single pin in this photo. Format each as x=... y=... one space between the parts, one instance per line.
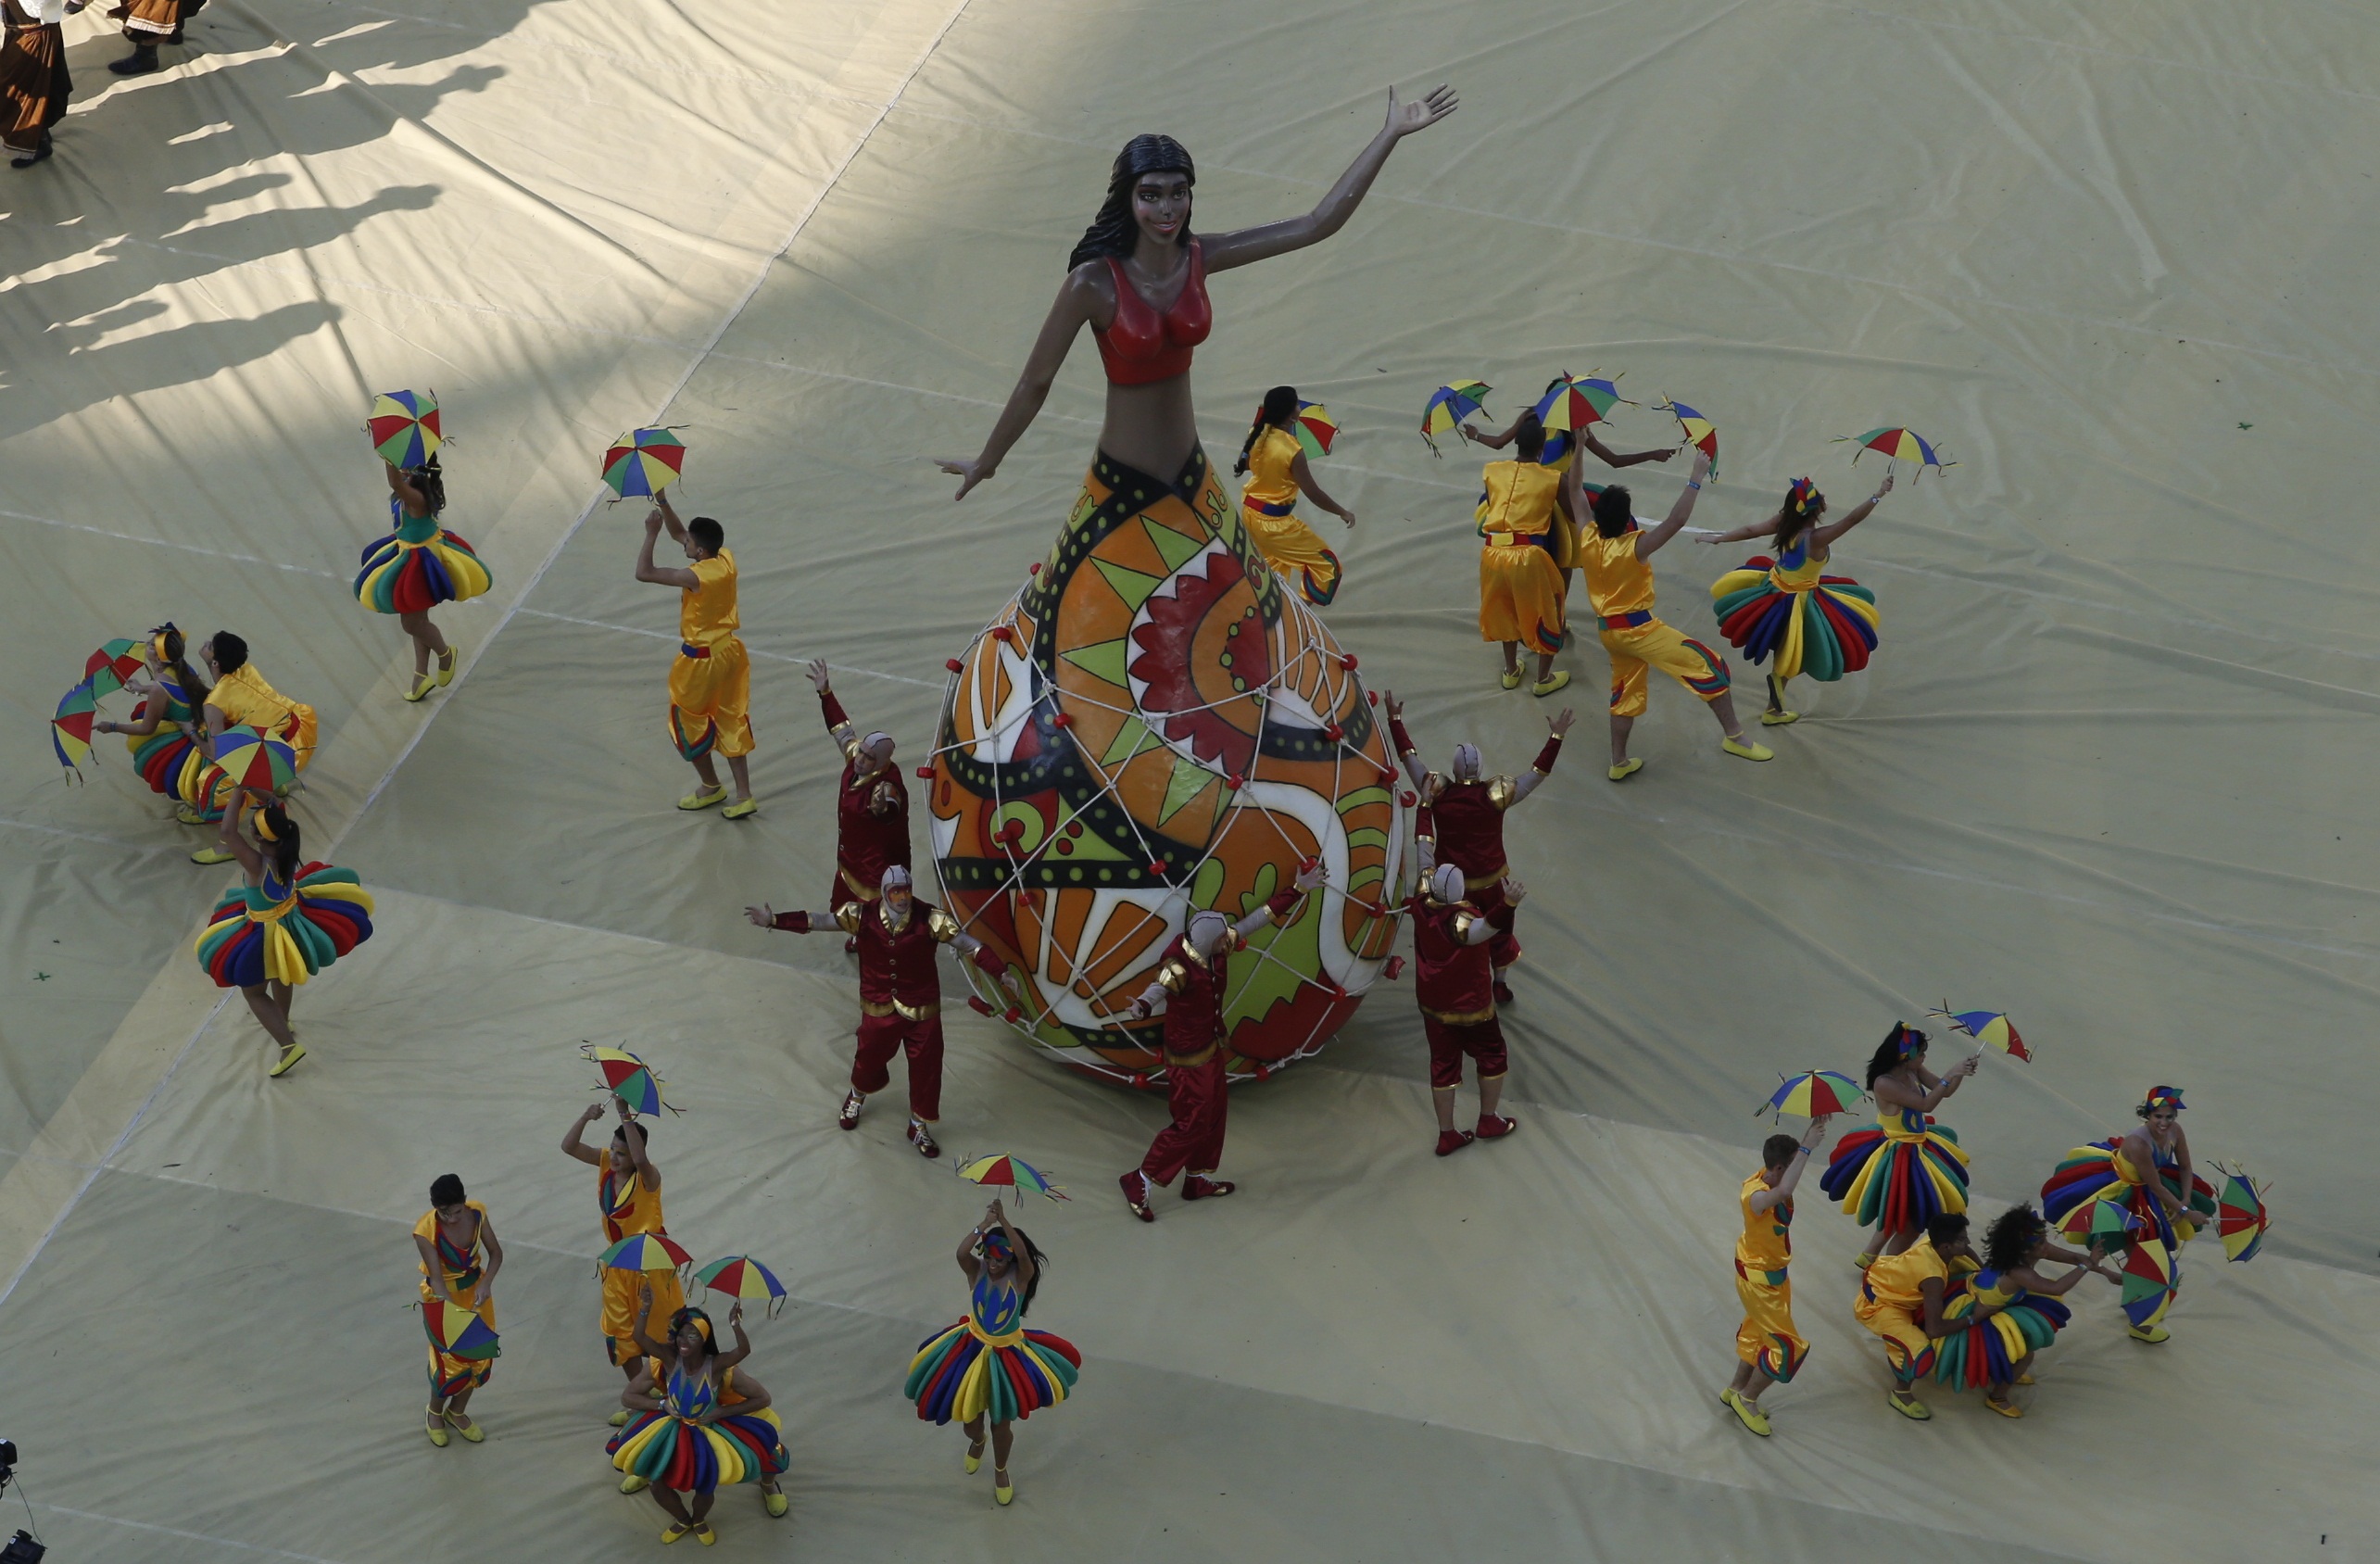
x=1151 y=728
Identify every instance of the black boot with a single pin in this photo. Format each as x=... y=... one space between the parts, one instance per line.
x=35 y=156
x=140 y=62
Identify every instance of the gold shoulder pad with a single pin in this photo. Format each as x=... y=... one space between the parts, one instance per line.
x=942 y=926
x=1503 y=792
x=849 y=915
x=1174 y=975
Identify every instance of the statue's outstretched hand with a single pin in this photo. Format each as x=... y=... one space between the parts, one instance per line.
x=1407 y=118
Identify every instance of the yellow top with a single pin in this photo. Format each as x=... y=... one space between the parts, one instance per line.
x=707 y=614
x=246 y=700
x=628 y=1207
x=1617 y=582
x=1519 y=502
x=1896 y=1278
x=1768 y=1239
x=1269 y=480
x=428 y=1228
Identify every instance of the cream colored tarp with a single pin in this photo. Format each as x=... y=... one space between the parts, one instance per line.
x=2109 y=772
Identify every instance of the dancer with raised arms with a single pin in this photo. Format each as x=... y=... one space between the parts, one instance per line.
x=628 y=1194
x=871 y=806
x=1137 y=280
x=1768 y=1350
x=900 y=992
x=710 y=683
x=1786 y=610
x=1908 y=1170
x=694 y=1422
x=417 y=566
x=1528 y=518
x=1277 y=473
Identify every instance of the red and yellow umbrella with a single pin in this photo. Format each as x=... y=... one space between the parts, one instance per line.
x=245 y=758
x=644 y=461
x=404 y=427
x=457 y=1331
x=1314 y=429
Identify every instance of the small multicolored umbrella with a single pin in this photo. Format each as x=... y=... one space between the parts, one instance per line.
x=1988 y=1028
x=645 y=1252
x=745 y=1279
x=70 y=728
x=1898 y=445
x=2148 y=1284
x=457 y=1331
x=2241 y=1216
x=106 y=670
x=1448 y=406
x=404 y=427
x=1315 y=428
x=2108 y=1223
x=1021 y=1176
x=644 y=461
x=1812 y=1093
x=248 y=759
x=1700 y=432
x=1571 y=404
x=629 y=1078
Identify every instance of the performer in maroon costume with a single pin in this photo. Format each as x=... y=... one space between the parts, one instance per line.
x=1462 y=820
x=1191 y=985
x=900 y=992
x=1455 y=985
x=871 y=806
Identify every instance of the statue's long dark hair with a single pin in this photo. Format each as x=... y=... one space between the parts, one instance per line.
x=1113 y=231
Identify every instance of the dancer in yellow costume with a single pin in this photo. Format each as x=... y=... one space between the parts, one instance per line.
x=629 y=1193
x=1901 y=1299
x=1788 y=607
x=1617 y=559
x=710 y=683
x=1529 y=527
x=242 y=697
x=1277 y=473
x=460 y=1259
x=1768 y=1350
x=1900 y=1175
x=688 y=1433
x=738 y=1393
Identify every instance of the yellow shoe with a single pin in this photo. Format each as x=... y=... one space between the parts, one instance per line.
x=1548 y=686
x=2005 y=1408
x=472 y=1435
x=1908 y=1405
x=1626 y=769
x=188 y=815
x=211 y=855
x=436 y=1428
x=1749 y=751
x=741 y=810
x=1002 y=1491
x=1509 y=678
x=2154 y=1335
x=2024 y=1378
x=422 y=685
x=672 y=1533
x=620 y=1419
x=975 y=1459
x=447 y=666
x=632 y=1483
x=699 y=799
x=1749 y=1414
x=776 y=1503
x=1779 y=719
x=282 y=1066
x=705 y=1533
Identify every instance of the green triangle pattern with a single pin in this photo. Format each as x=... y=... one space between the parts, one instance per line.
x=1171 y=546
x=1104 y=659
x=1131 y=740
x=1186 y=782
x=1132 y=586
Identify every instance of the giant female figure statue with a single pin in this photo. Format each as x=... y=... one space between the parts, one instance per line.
x=1153 y=726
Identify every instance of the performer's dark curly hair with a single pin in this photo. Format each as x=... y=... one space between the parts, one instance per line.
x=2011 y=1237
x=1278 y=404
x=1948 y=1227
x=1903 y=1041
x=1113 y=231
x=1614 y=510
x=231 y=652
x=431 y=483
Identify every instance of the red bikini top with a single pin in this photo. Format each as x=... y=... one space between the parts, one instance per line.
x=1143 y=346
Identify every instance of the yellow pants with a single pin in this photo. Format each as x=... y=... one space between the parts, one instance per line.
x=1767 y=1339
x=1295 y=551
x=619 y=1305
x=711 y=699
x=1520 y=597
x=1635 y=649
x=1908 y=1351
x=449 y=1375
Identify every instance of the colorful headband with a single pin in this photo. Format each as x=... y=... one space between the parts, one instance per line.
x=2165 y=1097
x=690 y=1315
x=1799 y=495
x=1905 y=1038
x=996 y=1240
x=264 y=827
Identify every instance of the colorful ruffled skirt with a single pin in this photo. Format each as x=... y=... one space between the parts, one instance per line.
x=2089 y=1173
x=669 y=1452
x=1986 y=1351
x=160 y=756
x=958 y=1374
x=1826 y=630
x=328 y=915
x=1897 y=1185
x=401 y=575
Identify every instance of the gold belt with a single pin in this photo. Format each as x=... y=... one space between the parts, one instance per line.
x=906 y=1011
x=1189 y=1060
x=1462 y=1019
